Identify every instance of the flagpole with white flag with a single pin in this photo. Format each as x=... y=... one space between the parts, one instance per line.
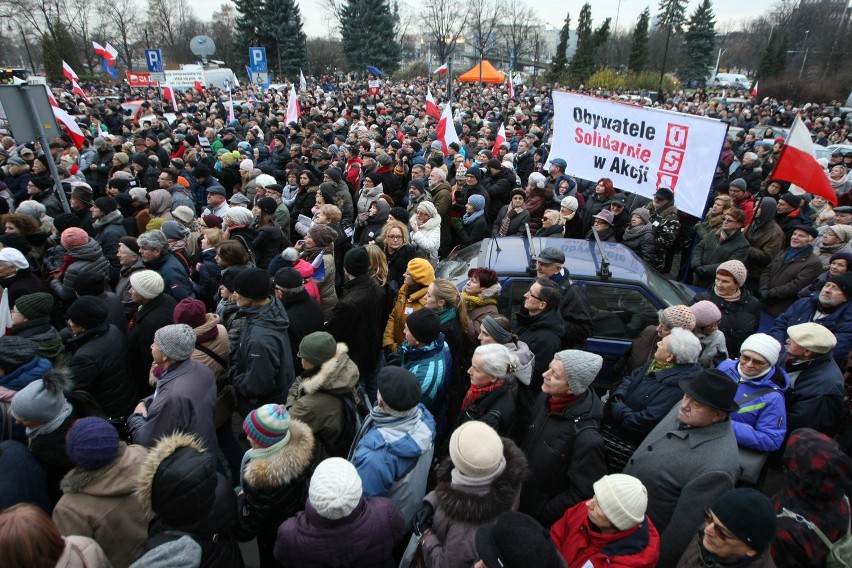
x=446 y=129
x=431 y=107
x=303 y=85
x=231 y=117
x=798 y=165
x=293 y=111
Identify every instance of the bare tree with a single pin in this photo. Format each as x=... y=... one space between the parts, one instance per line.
x=483 y=18
x=170 y=25
x=516 y=32
x=325 y=56
x=123 y=22
x=445 y=25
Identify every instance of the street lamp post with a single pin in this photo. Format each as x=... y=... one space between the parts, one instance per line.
x=26 y=43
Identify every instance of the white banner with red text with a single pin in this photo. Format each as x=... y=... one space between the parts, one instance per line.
x=639 y=148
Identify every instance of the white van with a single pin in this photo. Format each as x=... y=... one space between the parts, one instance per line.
x=730 y=81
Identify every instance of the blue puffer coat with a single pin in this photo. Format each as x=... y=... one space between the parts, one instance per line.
x=431 y=365
x=762 y=423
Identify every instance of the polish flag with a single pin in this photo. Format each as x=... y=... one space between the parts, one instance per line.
x=442 y=69
x=64 y=119
x=501 y=137
x=169 y=93
x=754 y=89
x=303 y=85
x=511 y=88
x=50 y=97
x=293 y=110
x=199 y=87
x=446 y=129
x=797 y=164
x=431 y=107
x=69 y=73
x=111 y=54
x=99 y=49
x=78 y=90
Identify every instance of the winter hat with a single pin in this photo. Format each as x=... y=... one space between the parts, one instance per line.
x=678 y=316
x=421 y=271
x=239 y=199
x=622 y=498
x=106 y=204
x=706 y=313
x=35 y=305
x=356 y=261
x=40 y=401
x=212 y=221
x=399 y=388
x=239 y=215
x=73 y=237
x=147 y=283
x=16 y=351
x=183 y=214
x=317 y=347
x=764 y=345
x=130 y=244
x=64 y=221
x=537 y=179
x=139 y=194
x=82 y=191
x=190 y=311
x=88 y=312
x=581 y=368
x=793 y=200
x=842 y=232
x=176 y=341
x=735 y=269
x=246 y=165
x=288 y=278
x=844 y=282
x=335 y=488
x=477 y=201
x=749 y=515
x=812 y=336
x=570 y=202
x=643 y=214
x=322 y=235
x=424 y=324
x=174 y=231
x=267 y=205
x=253 y=283
x=400 y=214
x=13 y=256
x=268 y=425
x=495 y=330
x=739 y=183
x=375 y=178
x=417 y=183
x=265 y=180
x=517 y=540
x=605 y=216
x=475 y=172
x=335 y=174
x=92 y=443
x=476 y=450
x=122 y=158
x=41 y=182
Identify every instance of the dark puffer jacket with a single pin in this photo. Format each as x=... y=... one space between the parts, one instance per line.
x=175 y=276
x=711 y=251
x=178 y=483
x=87 y=258
x=97 y=367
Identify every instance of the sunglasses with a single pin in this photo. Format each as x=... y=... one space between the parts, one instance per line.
x=724 y=534
x=754 y=361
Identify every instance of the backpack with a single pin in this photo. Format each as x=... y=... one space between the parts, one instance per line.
x=840 y=552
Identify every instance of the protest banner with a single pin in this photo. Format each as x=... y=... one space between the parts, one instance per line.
x=639 y=148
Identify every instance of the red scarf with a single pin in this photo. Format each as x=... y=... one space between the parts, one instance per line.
x=557 y=405
x=474 y=393
x=67 y=261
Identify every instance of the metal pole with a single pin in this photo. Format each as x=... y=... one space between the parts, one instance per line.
x=45 y=148
x=665 y=56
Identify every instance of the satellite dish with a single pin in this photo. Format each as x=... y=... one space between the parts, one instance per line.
x=203 y=46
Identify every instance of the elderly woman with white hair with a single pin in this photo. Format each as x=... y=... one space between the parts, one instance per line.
x=426 y=230
x=490 y=398
x=646 y=395
x=537 y=198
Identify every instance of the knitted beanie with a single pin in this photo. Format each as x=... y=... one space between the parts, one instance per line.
x=253 y=283
x=844 y=282
x=190 y=311
x=622 y=498
x=73 y=237
x=16 y=351
x=268 y=425
x=476 y=450
x=706 y=313
x=147 y=283
x=335 y=174
x=322 y=235
x=357 y=261
x=570 y=202
x=41 y=400
x=678 y=316
x=139 y=194
x=399 y=388
x=88 y=312
x=177 y=341
x=174 y=231
x=764 y=345
x=89 y=284
x=736 y=269
x=842 y=232
x=106 y=204
x=335 y=488
x=240 y=215
x=35 y=305
x=92 y=443
x=212 y=221
x=424 y=324
x=477 y=202
x=317 y=347
x=122 y=158
x=183 y=214
x=643 y=214
x=267 y=205
x=581 y=368
x=421 y=271
x=749 y=515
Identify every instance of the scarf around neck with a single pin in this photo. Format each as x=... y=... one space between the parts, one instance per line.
x=631 y=232
x=731 y=298
x=469 y=218
x=475 y=393
x=51 y=426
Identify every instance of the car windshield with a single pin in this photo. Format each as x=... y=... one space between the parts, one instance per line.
x=457 y=264
x=672 y=293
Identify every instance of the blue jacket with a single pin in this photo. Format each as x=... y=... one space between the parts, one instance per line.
x=431 y=365
x=26 y=373
x=839 y=322
x=762 y=423
x=175 y=276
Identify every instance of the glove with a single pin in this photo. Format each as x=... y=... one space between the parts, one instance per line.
x=619 y=409
x=423 y=517
x=765 y=294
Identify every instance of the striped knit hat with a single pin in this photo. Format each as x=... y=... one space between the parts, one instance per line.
x=268 y=425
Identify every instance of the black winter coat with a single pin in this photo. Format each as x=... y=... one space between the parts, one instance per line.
x=473 y=232
x=269 y=242
x=496 y=408
x=498 y=186
x=97 y=365
x=157 y=313
x=358 y=320
x=739 y=319
x=516 y=223
x=306 y=317
x=398 y=262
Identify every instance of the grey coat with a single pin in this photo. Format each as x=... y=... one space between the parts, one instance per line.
x=683 y=471
x=87 y=258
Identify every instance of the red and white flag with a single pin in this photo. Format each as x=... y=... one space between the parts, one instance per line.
x=169 y=94
x=69 y=73
x=65 y=119
x=442 y=69
x=501 y=137
x=111 y=54
x=446 y=129
x=754 y=89
x=431 y=107
x=797 y=164
x=199 y=87
x=511 y=88
x=99 y=49
x=78 y=90
x=293 y=110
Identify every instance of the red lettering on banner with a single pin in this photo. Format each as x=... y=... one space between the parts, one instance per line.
x=673 y=156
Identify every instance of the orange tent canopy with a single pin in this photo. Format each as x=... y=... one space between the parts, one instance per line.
x=489 y=74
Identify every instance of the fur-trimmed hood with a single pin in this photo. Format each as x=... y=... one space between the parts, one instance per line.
x=469 y=507
x=491 y=292
x=277 y=467
x=114 y=479
x=337 y=376
x=167 y=447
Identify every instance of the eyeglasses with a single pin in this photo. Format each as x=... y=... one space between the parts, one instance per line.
x=531 y=295
x=724 y=534
x=753 y=360
x=395 y=237
x=730 y=220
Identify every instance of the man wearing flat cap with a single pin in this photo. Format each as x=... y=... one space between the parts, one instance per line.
x=829 y=308
x=789 y=271
x=688 y=460
x=815 y=397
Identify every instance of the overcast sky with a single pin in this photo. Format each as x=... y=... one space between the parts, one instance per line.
x=317 y=22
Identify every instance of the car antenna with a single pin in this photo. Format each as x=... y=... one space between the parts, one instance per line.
x=491 y=247
x=603 y=271
x=531 y=268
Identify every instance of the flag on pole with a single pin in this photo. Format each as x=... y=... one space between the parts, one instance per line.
x=231 y=117
x=169 y=94
x=797 y=164
x=99 y=49
x=111 y=54
x=303 y=85
x=248 y=70
x=511 y=88
x=431 y=107
x=109 y=69
x=69 y=73
x=501 y=137
x=293 y=110
x=64 y=119
x=78 y=90
x=754 y=89
x=446 y=129
x=442 y=69
x=199 y=87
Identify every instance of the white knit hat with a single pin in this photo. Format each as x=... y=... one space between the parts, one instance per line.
x=622 y=498
x=581 y=368
x=240 y=215
x=764 y=345
x=476 y=449
x=335 y=488
x=147 y=283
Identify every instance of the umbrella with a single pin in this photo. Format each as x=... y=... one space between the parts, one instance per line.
x=374 y=70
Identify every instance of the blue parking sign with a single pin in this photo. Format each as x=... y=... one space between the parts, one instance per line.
x=154 y=59
x=257 y=59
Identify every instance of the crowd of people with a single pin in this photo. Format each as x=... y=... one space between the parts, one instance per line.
x=224 y=330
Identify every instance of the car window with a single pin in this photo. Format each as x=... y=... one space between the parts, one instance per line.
x=618 y=312
x=512 y=297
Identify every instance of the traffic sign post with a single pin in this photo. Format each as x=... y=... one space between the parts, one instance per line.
x=154 y=59
x=259 y=72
